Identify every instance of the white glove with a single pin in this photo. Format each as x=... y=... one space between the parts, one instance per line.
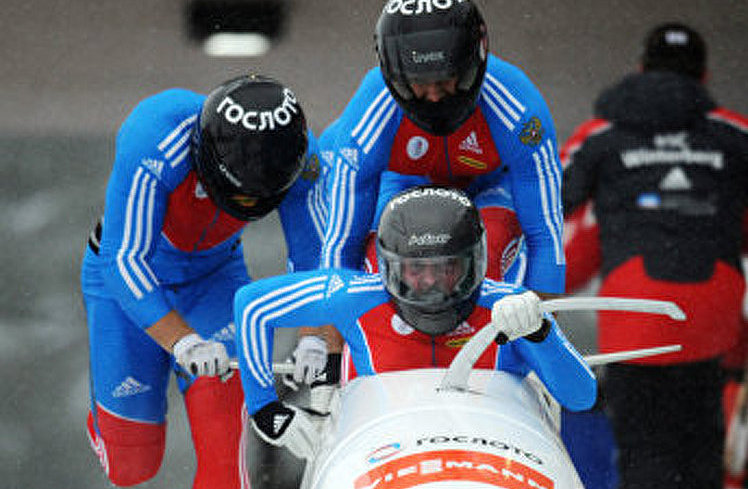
x=515 y=316
x=284 y=425
x=201 y=357
x=310 y=358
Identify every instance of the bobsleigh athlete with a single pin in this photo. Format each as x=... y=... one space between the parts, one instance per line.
x=429 y=298
x=441 y=109
x=161 y=268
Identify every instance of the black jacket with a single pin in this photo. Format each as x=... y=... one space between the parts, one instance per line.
x=667 y=171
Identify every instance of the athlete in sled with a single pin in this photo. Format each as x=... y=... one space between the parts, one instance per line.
x=400 y=428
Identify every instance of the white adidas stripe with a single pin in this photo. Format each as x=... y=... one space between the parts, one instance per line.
x=178 y=142
x=364 y=120
x=374 y=121
x=178 y=130
x=340 y=215
x=380 y=128
x=136 y=240
x=317 y=211
x=506 y=107
x=556 y=209
x=506 y=93
x=365 y=288
x=259 y=360
x=548 y=202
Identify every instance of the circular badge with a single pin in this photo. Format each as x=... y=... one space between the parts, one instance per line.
x=401 y=327
x=417 y=147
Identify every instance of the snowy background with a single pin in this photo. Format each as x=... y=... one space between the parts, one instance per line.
x=71 y=70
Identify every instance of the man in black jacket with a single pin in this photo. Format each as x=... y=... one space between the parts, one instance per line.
x=665 y=170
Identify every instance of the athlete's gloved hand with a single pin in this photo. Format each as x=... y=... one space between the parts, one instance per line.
x=201 y=357
x=284 y=425
x=310 y=358
x=518 y=315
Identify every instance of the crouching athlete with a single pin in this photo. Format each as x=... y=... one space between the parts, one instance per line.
x=161 y=269
x=430 y=296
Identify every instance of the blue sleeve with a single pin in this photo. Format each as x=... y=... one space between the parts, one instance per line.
x=390 y=184
x=151 y=159
x=360 y=152
x=312 y=298
x=557 y=363
x=303 y=212
x=525 y=136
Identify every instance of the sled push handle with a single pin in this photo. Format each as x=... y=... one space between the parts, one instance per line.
x=459 y=370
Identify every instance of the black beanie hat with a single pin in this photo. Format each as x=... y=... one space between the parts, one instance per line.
x=675 y=47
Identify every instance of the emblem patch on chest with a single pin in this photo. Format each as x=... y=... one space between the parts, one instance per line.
x=417 y=147
x=400 y=327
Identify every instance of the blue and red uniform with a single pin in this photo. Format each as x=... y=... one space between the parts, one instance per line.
x=163 y=245
x=378 y=340
x=507 y=145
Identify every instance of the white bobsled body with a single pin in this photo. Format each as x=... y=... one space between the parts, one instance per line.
x=399 y=430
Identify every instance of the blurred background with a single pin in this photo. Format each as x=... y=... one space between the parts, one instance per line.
x=71 y=71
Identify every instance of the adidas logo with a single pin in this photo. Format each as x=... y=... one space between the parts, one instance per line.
x=334 y=285
x=462 y=329
x=130 y=387
x=470 y=143
x=279 y=420
x=225 y=334
x=676 y=179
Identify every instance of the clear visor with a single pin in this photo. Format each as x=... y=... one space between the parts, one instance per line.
x=433 y=283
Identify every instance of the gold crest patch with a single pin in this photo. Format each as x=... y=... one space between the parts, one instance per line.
x=311 y=169
x=532 y=133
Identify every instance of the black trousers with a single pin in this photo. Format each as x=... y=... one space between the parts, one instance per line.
x=668 y=424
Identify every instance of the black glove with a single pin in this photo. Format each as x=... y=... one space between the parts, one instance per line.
x=284 y=425
x=322 y=390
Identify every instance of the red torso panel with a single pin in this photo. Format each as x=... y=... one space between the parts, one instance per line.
x=455 y=159
x=193 y=222
x=394 y=345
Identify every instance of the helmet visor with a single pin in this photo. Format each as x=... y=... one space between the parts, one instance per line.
x=425 y=56
x=434 y=57
x=433 y=283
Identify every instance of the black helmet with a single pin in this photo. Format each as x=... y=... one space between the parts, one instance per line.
x=431 y=249
x=249 y=145
x=422 y=42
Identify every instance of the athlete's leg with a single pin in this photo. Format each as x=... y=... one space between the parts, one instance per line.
x=217 y=422
x=215 y=406
x=129 y=378
x=504 y=240
x=506 y=248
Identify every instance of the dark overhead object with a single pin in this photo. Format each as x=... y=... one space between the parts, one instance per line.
x=208 y=17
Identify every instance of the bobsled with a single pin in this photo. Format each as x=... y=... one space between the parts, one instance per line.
x=401 y=430
x=456 y=428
